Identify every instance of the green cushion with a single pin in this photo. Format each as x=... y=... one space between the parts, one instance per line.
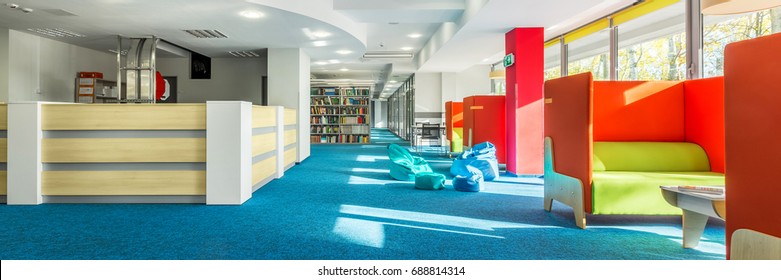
x=650 y=157
x=616 y=192
x=457 y=143
x=429 y=181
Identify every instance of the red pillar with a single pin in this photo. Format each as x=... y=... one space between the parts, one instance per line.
x=524 y=100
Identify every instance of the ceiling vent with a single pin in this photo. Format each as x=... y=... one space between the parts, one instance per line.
x=244 y=54
x=207 y=34
x=387 y=55
x=56 y=32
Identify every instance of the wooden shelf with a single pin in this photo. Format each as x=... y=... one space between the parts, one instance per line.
x=332 y=103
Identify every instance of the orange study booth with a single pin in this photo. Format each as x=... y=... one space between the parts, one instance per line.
x=609 y=145
x=484 y=121
x=753 y=147
x=454 y=125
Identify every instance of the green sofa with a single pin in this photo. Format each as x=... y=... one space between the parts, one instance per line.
x=626 y=175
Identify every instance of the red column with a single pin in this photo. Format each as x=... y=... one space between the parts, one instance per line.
x=524 y=100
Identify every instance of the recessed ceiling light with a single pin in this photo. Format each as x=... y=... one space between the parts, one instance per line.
x=406 y=48
x=321 y=34
x=334 y=61
x=344 y=69
x=321 y=63
x=320 y=43
x=251 y=14
x=392 y=82
x=414 y=35
x=344 y=51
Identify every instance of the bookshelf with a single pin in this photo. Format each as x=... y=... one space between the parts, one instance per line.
x=340 y=115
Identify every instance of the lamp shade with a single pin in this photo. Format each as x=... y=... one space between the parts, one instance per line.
x=727 y=7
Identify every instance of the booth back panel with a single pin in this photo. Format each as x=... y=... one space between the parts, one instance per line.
x=704 y=119
x=621 y=107
x=753 y=142
x=454 y=117
x=484 y=116
x=568 y=123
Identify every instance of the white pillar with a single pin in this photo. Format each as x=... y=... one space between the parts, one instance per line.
x=288 y=86
x=228 y=152
x=24 y=154
x=280 y=131
x=4 y=64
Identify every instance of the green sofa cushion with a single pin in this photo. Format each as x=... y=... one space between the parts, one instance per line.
x=617 y=192
x=649 y=157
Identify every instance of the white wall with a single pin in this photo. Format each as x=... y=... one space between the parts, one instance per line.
x=428 y=97
x=41 y=69
x=472 y=81
x=237 y=79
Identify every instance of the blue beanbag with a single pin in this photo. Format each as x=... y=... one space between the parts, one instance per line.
x=469 y=183
x=429 y=181
x=482 y=156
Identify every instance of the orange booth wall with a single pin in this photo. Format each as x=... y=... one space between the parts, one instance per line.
x=484 y=120
x=752 y=73
x=454 y=117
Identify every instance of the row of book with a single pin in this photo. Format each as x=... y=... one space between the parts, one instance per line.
x=341 y=91
x=315 y=110
x=347 y=139
x=353 y=120
x=330 y=129
x=324 y=120
x=325 y=101
x=355 y=101
x=324 y=110
x=356 y=129
x=355 y=110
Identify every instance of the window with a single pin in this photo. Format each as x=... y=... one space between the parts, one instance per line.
x=590 y=53
x=552 y=61
x=653 y=47
x=718 y=31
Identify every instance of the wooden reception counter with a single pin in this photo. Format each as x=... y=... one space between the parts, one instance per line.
x=215 y=153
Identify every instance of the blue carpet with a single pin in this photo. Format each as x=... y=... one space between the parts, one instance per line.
x=341 y=204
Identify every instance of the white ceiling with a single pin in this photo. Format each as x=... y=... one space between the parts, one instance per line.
x=455 y=34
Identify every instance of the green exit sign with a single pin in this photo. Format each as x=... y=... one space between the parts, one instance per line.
x=509 y=60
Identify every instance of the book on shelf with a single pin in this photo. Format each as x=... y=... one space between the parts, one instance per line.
x=717 y=190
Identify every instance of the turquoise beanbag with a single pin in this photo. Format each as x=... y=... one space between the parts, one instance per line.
x=429 y=181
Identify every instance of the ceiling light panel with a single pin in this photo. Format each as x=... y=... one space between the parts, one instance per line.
x=56 y=32
x=206 y=33
x=414 y=35
x=251 y=14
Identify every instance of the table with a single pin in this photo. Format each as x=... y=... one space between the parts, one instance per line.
x=433 y=132
x=697 y=207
